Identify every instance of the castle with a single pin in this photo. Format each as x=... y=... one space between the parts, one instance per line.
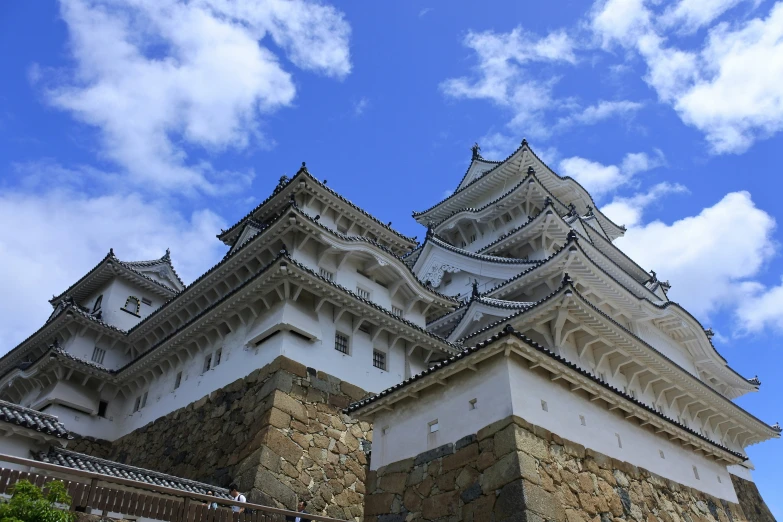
x=515 y=351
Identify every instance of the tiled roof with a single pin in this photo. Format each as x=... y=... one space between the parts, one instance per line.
x=284 y=182
x=71 y=459
x=431 y=236
x=32 y=419
x=509 y=330
x=166 y=259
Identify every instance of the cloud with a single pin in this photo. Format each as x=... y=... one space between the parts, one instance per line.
x=729 y=89
x=58 y=243
x=601 y=111
x=710 y=258
x=600 y=179
x=360 y=106
x=164 y=81
x=628 y=211
x=502 y=75
x=426 y=11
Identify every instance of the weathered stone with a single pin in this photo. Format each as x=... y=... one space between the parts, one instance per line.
x=461 y=458
x=427 y=456
x=393 y=482
x=509 y=468
x=514 y=438
x=283 y=446
x=378 y=503
x=465 y=441
x=472 y=493
x=442 y=505
x=268 y=483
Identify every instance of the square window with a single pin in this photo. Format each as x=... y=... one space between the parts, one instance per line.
x=178 y=380
x=218 y=355
x=207 y=363
x=98 y=354
x=379 y=359
x=433 y=426
x=341 y=343
x=544 y=406
x=363 y=293
x=397 y=311
x=326 y=274
x=472 y=404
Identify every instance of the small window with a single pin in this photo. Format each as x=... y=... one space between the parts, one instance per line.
x=146 y=301
x=178 y=380
x=218 y=356
x=361 y=292
x=144 y=400
x=207 y=363
x=696 y=473
x=619 y=440
x=660 y=452
x=132 y=305
x=326 y=274
x=379 y=359
x=582 y=420
x=98 y=354
x=137 y=404
x=544 y=406
x=341 y=343
x=102 y=405
x=472 y=238
x=472 y=404
x=397 y=311
x=719 y=480
x=97 y=305
x=384 y=430
x=433 y=426
x=507 y=218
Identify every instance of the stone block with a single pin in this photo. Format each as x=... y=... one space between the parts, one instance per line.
x=480 y=510
x=393 y=482
x=471 y=493
x=411 y=501
x=282 y=445
x=268 y=483
x=378 y=503
x=427 y=456
x=440 y=506
x=352 y=391
x=465 y=441
x=490 y=429
x=291 y=366
x=401 y=466
x=512 y=467
x=276 y=417
x=461 y=458
x=289 y=405
x=513 y=438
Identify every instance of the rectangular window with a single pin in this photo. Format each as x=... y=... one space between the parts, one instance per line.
x=472 y=238
x=146 y=301
x=397 y=311
x=143 y=400
x=341 y=343
x=178 y=380
x=619 y=440
x=326 y=274
x=137 y=404
x=719 y=480
x=433 y=426
x=361 y=292
x=507 y=218
x=379 y=359
x=660 y=452
x=582 y=420
x=696 y=473
x=207 y=363
x=218 y=355
x=102 y=408
x=98 y=354
x=544 y=406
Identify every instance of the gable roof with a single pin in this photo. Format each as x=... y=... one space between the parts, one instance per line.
x=32 y=419
x=72 y=459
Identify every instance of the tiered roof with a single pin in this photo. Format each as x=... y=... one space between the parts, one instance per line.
x=32 y=419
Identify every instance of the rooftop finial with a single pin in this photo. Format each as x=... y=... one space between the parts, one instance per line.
x=531 y=170
x=476 y=151
x=167 y=255
x=709 y=332
x=283 y=180
x=589 y=211
x=111 y=251
x=653 y=276
x=571 y=209
x=755 y=381
x=475 y=292
x=776 y=427
x=430 y=228
x=547 y=201
x=508 y=328
x=567 y=279
x=303 y=168
x=524 y=141
x=571 y=235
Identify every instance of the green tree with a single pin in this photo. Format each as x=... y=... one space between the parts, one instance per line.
x=29 y=504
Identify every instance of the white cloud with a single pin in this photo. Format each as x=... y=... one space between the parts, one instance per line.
x=425 y=11
x=503 y=78
x=159 y=76
x=709 y=258
x=497 y=146
x=600 y=179
x=730 y=89
x=761 y=307
x=62 y=234
x=360 y=106
x=628 y=211
x=601 y=111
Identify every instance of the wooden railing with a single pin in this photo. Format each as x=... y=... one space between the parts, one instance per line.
x=153 y=501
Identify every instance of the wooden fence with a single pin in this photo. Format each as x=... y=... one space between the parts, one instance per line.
x=150 y=501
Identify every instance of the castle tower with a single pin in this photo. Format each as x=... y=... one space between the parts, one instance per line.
x=575 y=367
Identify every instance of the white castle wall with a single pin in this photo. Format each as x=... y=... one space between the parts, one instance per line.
x=506 y=387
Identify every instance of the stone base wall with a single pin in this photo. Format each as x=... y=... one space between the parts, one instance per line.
x=753 y=505
x=279 y=433
x=514 y=471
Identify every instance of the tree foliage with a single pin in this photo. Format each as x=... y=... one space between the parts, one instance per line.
x=29 y=504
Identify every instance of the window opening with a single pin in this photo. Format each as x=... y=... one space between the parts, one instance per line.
x=544 y=406
x=218 y=356
x=361 y=292
x=326 y=274
x=132 y=305
x=102 y=405
x=379 y=359
x=472 y=404
x=207 y=363
x=98 y=354
x=341 y=343
x=97 y=305
x=146 y=301
x=178 y=380
x=434 y=426
x=397 y=311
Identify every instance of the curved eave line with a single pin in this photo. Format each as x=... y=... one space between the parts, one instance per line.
x=442 y=243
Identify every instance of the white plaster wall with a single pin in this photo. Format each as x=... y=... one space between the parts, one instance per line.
x=17 y=446
x=404 y=432
x=507 y=387
x=740 y=471
x=68 y=393
x=114 y=297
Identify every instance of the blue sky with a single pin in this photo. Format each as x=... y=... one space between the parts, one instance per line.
x=142 y=125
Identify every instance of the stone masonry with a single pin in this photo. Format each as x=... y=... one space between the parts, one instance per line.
x=512 y=470
x=279 y=433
